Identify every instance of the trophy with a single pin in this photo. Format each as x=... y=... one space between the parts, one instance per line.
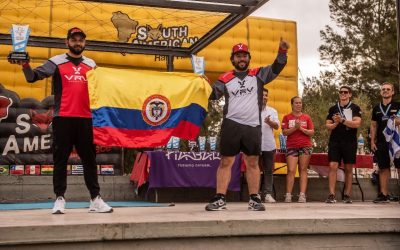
x=175 y=143
x=19 y=36
x=212 y=140
x=198 y=64
x=192 y=145
x=202 y=143
x=169 y=144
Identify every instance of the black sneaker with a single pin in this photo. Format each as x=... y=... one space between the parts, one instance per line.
x=255 y=203
x=347 y=199
x=217 y=203
x=331 y=199
x=382 y=198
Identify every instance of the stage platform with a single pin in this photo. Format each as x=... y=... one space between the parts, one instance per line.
x=315 y=225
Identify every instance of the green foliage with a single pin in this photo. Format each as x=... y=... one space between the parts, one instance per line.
x=364 y=102
x=364 y=50
x=318 y=96
x=212 y=124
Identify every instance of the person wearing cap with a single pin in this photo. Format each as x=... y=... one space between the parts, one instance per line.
x=72 y=122
x=241 y=125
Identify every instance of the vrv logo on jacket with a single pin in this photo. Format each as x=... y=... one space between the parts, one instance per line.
x=76 y=76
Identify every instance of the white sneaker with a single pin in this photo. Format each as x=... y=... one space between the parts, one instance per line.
x=288 y=197
x=59 y=205
x=97 y=205
x=269 y=199
x=302 y=198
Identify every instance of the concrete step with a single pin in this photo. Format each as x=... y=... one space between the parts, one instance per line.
x=188 y=226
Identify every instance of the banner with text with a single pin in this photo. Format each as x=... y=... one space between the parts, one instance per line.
x=188 y=169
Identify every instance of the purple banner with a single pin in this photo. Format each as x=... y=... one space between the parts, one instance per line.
x=188 y=169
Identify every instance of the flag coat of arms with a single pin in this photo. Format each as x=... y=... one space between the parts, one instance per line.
x=137 y=108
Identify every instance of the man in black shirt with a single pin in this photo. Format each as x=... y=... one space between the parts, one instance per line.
x=380 y=115
x=342 y=121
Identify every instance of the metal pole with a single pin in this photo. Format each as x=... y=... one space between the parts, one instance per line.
x=170 y=63
x=398 y=39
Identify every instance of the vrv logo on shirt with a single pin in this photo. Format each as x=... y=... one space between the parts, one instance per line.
x=77 y=70
x=76 y=77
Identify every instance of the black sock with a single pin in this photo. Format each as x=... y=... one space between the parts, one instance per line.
x=254 y=196
x=219 y=195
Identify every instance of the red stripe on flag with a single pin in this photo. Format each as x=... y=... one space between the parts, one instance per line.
x=107 y=136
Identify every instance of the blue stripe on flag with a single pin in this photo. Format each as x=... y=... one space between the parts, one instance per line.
x=132 y=118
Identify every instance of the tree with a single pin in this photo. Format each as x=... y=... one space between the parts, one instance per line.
x=318 y=96
x=363 y=51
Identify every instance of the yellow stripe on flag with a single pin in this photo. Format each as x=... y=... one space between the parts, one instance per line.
x=126 y=88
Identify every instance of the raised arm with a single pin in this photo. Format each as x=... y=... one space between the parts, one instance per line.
x=269 y=73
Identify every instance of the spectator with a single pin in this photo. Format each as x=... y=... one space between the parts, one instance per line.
x=299 y=129
x=380 y=115
x=342 y=121
x=270 y=121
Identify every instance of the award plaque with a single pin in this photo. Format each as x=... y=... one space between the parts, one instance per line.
x=19 y=36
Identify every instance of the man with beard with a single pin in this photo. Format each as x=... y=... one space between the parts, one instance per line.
x=241 y=125
x=72 y=122
x=380 y=116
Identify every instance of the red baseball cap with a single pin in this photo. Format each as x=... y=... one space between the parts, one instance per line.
x=75 y=30
x=240 y=47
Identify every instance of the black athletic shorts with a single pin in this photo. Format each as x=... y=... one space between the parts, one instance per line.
x=346 y=151
x=236 y=138
x=383 y=157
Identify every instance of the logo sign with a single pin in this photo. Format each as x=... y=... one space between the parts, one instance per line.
x=76 y=169
x=156 y=110
x=47 y=169
x=107 y=169
x=5 y=104
x=17 y=169
x=32 y=169
x=4 y=170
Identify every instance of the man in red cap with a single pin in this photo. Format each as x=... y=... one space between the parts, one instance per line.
x=72 y=122
x=241 y=129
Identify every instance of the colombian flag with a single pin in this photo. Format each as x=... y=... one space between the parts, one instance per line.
x=133 y=108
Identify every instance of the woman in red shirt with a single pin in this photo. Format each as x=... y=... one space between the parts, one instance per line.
x=299 y=129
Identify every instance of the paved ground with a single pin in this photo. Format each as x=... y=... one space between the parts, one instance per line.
x=182 y=212
x=191 y=220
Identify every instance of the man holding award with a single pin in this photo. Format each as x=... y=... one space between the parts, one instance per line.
x=19 y=35
x=72 y=122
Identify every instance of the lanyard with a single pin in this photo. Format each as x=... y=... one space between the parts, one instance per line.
x=387 y=109
x=340 y=110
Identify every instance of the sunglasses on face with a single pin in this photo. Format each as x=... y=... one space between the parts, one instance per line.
x=343 y=92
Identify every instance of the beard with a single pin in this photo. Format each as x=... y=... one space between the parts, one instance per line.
x=239 y=68
x=76 y=50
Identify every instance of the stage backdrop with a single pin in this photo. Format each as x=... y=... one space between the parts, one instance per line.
x=25 y=133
